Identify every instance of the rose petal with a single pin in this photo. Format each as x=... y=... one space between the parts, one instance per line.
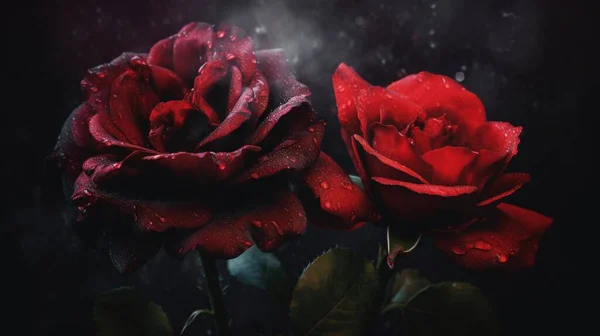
x=167 y=84
x=376 y=104
x=227 y=236
x=484 y=167
x=205 y=167
x=161 y=53
x=346 y=85
x=439 y=95
x=149 y=215
x=507 y=239
x=209 y=74
x=298 y=150
x=72 y=145
x=189 y=49
x=104 y=138
x=235 y=88
x=241 y=53
x=376 y=164
x=129 y=253
x=131 y=100
x=499 y=137
x=411 y=201
x=390 y=143
x=282 y=83
x=98 y=80
x=296 y=105
x=354 y=156
x=422 y=140
x=234 y=120
x=503 y=186
x=448 y=163
x=259 y=86
x=343 y=205
x=103 y=168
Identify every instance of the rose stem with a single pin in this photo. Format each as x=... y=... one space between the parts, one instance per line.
x=214 y=291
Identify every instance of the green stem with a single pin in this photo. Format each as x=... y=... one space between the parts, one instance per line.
x=216 y=298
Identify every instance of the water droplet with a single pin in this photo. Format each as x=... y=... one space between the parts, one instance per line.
x=324 y=184
x=229 y=57
x=232 y=37
x=180 y=250
x=482 y=246
x=310 y=129
x=513 y=251
x=150 y=223
x=220 y=34
x=277 y=228
x=209 y=44
x=247 y=243
x=458 y=250
x=253 y=61
x=101 y=74
x=161 y=219
x=506 y=135
x=222 y=166
x=501 y=258
x=328 y=204
x=114 y=95
x=256 y=223
x=341 y=88
x=87 y=192
x=315 y=141
x=94 y=89
x=300 y=214
x=459 y=76
x=254 y=175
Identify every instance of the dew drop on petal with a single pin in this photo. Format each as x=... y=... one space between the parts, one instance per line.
x=328 y=204
x=277 y=228
x=94 y=89
x=220 y=34
x=254 y=175
x=458 y=250
x=501 y=258
x=324 y=184
x=87 y=192
x=482 y=246
x=310 y=129
x=229 y=57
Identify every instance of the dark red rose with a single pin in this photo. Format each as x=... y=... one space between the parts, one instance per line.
x=200 y=143
x=425 y=151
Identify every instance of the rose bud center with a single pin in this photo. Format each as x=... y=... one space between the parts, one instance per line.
x=177 y=126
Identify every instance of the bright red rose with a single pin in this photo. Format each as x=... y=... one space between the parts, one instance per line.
x=200 y=143
x=427 y=154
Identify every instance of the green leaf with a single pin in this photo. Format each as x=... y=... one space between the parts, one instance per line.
x=399 y=241
x=357 y=180
x=261 y=270
x=126 y=312
x=334 y=295
x=406 y=284
x=447 y=308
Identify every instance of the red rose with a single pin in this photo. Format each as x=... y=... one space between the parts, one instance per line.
x=425 y=151
x=198 y=143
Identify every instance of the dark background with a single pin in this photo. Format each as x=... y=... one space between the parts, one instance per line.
x=525 y=60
